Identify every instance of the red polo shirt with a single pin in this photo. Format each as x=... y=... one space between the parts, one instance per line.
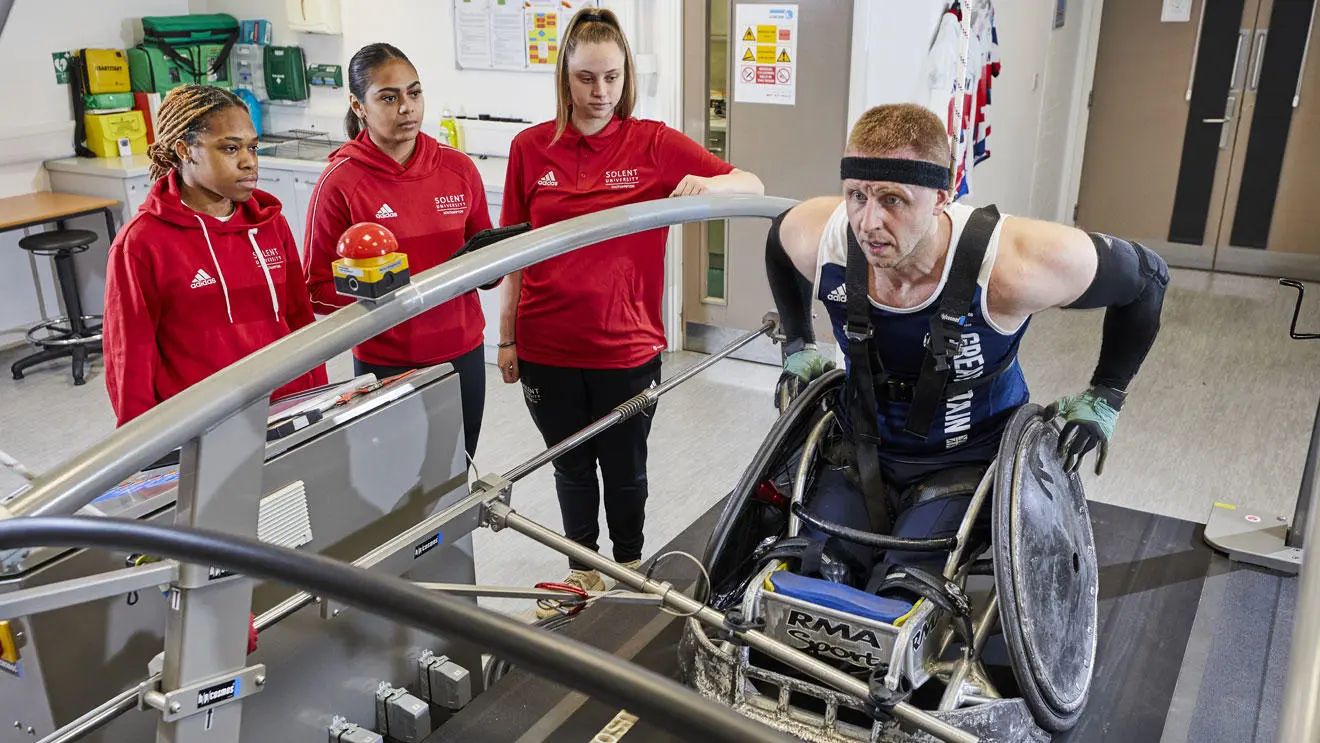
x=598 y=307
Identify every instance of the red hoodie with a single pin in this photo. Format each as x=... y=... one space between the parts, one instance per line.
x=432 y=205
x=187 y=294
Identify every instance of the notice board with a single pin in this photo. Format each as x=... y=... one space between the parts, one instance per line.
x=516 y=35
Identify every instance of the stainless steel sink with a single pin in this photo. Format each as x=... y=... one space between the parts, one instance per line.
x=298 y=144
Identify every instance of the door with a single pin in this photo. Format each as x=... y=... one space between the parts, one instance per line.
x=794 y=149
x=1196 y=144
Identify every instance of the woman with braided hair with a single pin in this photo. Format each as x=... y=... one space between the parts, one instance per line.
x=207 y=271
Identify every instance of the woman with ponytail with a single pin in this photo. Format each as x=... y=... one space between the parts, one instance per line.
x=583 y=331
x=207 y=271
x=429 y=195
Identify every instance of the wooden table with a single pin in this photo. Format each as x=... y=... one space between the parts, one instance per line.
x=43 y=207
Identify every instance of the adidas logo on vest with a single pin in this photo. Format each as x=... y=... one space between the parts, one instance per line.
x=548 y=179
x=385 y=212
x=202 y=278
x=838 y=294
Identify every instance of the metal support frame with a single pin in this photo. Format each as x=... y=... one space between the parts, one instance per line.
x=81 y=590
x=503 y=592
x=206 y=627
x=1271 y=540
x=501 y=517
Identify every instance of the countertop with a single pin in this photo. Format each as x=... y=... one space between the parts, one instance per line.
x=492 y=169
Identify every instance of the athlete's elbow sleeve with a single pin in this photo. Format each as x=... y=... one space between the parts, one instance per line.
x=790 y=289
x=1130 y=281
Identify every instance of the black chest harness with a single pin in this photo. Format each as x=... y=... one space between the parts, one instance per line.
x=867 y=375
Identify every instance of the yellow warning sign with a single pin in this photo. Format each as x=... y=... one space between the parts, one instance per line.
x=748 y=35
x=748 y=56
x=783 y=56
x=766 y=34
x=765 y=55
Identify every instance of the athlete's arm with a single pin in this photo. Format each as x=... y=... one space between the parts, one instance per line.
x=791 y=255
x=1049 y=265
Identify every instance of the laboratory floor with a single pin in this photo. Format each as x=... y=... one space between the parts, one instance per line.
x=1221 y=411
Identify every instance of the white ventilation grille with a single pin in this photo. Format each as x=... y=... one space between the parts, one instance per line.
x=284 y=520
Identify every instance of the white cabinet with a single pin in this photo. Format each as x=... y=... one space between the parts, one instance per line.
x=280 y=184
x=303 y=186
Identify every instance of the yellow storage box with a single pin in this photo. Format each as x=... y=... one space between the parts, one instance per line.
x=105 y=130
x=106 y=71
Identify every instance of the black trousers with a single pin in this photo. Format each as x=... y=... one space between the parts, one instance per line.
x=471 y=368
x=565 y=400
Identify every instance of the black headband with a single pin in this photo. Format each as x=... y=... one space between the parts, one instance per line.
x=895 y=170
x=593 y=15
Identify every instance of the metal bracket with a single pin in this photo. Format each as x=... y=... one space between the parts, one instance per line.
x=1253 y=538
x=776 y=333
x=206 y=695
x=496 y=489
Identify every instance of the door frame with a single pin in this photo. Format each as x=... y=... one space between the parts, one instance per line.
x=1075 y=151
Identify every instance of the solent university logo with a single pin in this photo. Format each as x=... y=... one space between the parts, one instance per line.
x=451 y=204
x=621 y=179
x=202 y=278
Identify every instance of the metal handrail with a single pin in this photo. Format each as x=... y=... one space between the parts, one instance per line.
x=82 y=478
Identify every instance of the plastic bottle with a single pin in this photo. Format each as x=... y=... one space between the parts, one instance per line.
x=451 y=130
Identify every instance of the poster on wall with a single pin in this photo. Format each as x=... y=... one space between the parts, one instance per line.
x=520 y=35
x=765 y=62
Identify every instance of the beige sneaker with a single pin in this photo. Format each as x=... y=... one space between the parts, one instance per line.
x=587 y=580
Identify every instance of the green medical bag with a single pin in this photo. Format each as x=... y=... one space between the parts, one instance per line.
x=286 y=73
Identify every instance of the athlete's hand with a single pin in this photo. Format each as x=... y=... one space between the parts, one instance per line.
x=1089 y=420
x=800 y=369
x=692 y=185
x=507 y=361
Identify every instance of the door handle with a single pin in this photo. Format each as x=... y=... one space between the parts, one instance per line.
x=1301 y=72
x=1229 y=111
x=1239 y=68
x=1196 y=49
x=1261 y=38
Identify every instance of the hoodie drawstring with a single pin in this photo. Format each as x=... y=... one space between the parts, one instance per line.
x=224 y=289
x=274 y=298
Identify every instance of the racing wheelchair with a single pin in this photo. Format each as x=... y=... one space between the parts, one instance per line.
x=1001 y=642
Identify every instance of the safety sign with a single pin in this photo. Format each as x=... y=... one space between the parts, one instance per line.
x=766 y=53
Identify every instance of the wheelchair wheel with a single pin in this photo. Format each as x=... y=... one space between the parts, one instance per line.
x=757 y=508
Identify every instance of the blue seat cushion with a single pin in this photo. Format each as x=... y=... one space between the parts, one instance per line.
x=839 y=597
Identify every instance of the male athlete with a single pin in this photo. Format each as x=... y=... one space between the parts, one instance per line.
x=930 y=299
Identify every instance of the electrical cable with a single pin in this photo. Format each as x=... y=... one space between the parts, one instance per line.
x=662 y=701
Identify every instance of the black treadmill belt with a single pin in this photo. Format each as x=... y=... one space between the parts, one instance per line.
x=1153 y=572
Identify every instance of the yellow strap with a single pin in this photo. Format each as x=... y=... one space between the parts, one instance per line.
x=901 y=620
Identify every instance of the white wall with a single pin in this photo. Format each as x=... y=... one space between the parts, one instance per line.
x=1035 y=99
x=40 y=124
x=425 y=32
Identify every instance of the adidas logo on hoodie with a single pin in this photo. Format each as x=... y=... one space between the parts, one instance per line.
x=202 y=279
x=385 y=212
x=837 y=295
x=548 y=179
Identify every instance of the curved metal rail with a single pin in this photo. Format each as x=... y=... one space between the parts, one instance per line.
x=75 y=483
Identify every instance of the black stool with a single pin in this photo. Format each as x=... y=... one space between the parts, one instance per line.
x=70 y=335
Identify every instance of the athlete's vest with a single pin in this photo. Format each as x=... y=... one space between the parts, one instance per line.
x=970 y=417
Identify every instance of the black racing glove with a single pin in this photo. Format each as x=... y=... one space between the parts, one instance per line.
x=1089 y=424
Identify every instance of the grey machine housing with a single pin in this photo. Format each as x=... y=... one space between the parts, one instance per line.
x=341 y=486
